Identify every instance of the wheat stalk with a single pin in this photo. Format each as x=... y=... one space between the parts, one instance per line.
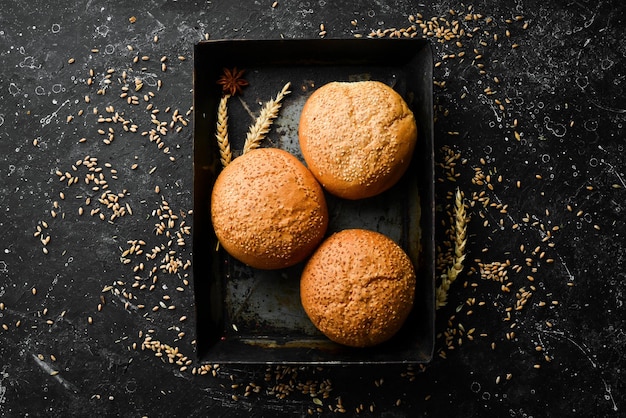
x=460 y=229
x=222 y=131
x=261 y=127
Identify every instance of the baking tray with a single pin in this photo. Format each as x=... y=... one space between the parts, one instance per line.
x=244 y=315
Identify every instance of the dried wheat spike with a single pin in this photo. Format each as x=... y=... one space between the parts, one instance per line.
x=261 y=127
x=222 y=131
x=447 y=278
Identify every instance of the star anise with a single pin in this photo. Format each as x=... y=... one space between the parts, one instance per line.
x=232 y=81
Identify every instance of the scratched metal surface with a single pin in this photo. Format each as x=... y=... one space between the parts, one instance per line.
x=565 y=86
x=251 y=297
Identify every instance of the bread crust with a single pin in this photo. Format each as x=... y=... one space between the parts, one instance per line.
x=357 y=138
x=358 y=287
x=267 y=209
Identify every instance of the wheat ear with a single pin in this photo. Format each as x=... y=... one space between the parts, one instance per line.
x=222 y=131
x=460 y=229
x=261 y=127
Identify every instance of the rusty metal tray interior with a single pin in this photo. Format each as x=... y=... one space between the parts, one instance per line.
x=244 y=315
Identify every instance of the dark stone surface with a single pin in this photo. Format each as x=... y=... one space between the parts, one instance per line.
x=564 y=85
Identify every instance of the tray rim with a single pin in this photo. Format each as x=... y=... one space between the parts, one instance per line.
x=427 y=241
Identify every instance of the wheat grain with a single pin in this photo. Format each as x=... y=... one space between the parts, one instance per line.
x=222 y=131
x=261 y=127
x=456 y=267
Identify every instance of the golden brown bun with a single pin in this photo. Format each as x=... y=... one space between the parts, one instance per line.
x=358 y=287
x=357 y=138
x=267 y=209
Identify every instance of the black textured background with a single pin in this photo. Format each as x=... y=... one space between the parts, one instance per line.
x=565 y=87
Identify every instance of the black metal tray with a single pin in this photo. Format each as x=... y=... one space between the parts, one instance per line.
x=244 y=315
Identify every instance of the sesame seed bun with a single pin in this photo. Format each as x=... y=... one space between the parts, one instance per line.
x=357 y=138
x=358 y=287
x=268 y=211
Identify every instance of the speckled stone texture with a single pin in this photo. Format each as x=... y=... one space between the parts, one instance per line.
x=530 y=126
